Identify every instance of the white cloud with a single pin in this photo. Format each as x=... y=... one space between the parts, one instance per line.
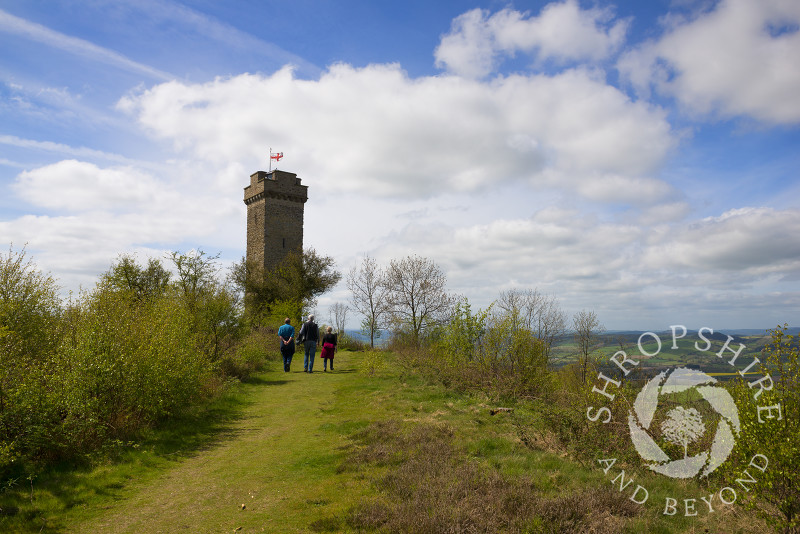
x=375 y=131
x=76 y=186
x=739 y=59
x=715 y=268
x=562 y=32
x=88 y=215
x=753 y=241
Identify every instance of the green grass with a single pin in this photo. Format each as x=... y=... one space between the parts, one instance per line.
x=287 y=447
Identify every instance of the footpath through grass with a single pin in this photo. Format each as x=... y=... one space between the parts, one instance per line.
x=346 y=451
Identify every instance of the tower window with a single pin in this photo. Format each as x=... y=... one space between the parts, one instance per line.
x=284 y=242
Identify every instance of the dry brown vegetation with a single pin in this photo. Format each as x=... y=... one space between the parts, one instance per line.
x=430 y=485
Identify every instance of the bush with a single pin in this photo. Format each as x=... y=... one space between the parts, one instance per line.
x=350 y=343
x=773 y=436
x=30 y=313
x=251 y=354
x=127 y=364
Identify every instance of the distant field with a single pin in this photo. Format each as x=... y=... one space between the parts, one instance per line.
x=686 y=352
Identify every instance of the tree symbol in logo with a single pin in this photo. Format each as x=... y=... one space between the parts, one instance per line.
x=683 y=426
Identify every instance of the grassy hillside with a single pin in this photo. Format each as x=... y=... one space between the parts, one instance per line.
x=370 y=447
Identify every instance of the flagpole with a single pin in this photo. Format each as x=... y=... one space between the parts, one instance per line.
x=270 y=159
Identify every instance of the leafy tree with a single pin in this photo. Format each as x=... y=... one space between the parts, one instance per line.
x=213 y=306
x=29 y=308
x=370 y=296
x=513 y=361
x=196 y=274
x=417 y=294
x=462 y=337
x=305 y=276
x=300 y=278
x=143 y=282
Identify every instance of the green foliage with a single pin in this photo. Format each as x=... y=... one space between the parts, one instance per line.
x=30 y=313
x=347 y=342
x=196 y=275
x=213 y=307
x=461 y=339
x=513 y=361
x=135 y=350
x=372 y=362
x=279 y=310
x=300 y=278
x=492 y=352
x=776 y=434
x=251 y=354
x=126 y=365
x=144 y=282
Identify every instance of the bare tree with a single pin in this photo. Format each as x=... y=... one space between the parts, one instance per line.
x=417 y=294
x=586 y=328
x=540 y=314
x=370 y=296
x=339 y=316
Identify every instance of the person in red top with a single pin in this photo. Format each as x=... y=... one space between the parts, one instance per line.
x=328 y=348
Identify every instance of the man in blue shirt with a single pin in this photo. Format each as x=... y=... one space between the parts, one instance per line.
x=286 y=335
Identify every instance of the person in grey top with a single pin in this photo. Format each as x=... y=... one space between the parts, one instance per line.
x=309 y=333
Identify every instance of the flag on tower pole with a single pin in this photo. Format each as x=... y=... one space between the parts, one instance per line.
x=274 y=155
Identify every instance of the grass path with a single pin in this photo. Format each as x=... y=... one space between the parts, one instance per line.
x=281 y=455
x=277 y=460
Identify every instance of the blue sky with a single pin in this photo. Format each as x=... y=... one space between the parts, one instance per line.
x=634 y=158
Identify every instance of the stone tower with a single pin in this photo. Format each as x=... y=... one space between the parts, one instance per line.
x=274 y=216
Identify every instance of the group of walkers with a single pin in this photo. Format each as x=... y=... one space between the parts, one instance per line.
x=309 y=338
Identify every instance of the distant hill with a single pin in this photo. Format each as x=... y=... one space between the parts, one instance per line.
x=722 y=331
x=358 y=336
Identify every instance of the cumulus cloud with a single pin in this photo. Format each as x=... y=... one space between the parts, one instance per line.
x=562 y=32
x=756 y=241
x=86 y=215
x=688 y=268
x=73 y=186
x=738 y=59
x=376 y=131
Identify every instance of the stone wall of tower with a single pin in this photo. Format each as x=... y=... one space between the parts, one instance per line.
x=275 y=203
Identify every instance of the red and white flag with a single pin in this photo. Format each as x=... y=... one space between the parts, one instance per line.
x=275 y=155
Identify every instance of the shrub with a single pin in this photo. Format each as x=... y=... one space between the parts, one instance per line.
x=250 y=354
x=30 y=313
x=776 y=434
x=347 y=342
x=373 y=362
x=127 y=364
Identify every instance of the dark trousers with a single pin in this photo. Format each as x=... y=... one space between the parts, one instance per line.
x=287 y=351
